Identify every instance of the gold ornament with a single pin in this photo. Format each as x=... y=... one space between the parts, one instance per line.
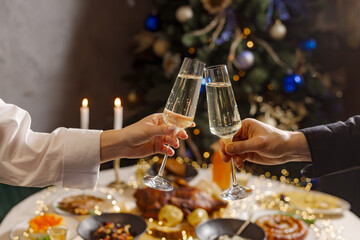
x=171 y=63
x=143 y=41
x=277 y=31
x=184 y=13
x=160 y=47
x=215 y=6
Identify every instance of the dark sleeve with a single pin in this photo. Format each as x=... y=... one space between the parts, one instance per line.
x=334 y=147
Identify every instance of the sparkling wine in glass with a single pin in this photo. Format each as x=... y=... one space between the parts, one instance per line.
x=224 y=119
x=180 y=110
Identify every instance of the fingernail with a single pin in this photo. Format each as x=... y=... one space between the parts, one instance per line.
x=229 y=148
x=172 y=128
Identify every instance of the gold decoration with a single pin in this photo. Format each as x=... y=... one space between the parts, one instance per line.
x=143 y=41
x=171 y=63
x=283 y=114
x=215 y=6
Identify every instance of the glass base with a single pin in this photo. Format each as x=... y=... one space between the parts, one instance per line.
x=118 y=185
x=236 y=193
x=157 y=183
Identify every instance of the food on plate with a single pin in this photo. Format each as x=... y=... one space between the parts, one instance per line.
x=184 y=197
x=113 y=231
x=39 y=225
x=282 y=227
x=170 y=215
x=197 y=216
x=83 y=204
x=309 y=199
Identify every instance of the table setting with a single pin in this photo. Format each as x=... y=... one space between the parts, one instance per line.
x=332 y=223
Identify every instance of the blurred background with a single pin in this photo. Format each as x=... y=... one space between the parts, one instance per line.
x=293 y=64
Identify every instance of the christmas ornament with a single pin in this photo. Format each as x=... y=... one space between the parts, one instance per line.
x=283 y=12
x=160 y=47
x=245 y=59
x=277 y=31
x=215 y=6
x=152 y=23
x=229 y=28
x=203 y=85
x=184 y=13
x=292 y=82
x=308 y=45
x=171 y=62
x=143 y=41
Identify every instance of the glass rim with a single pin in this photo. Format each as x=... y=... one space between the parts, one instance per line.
x=216 y=66
x=194 y=60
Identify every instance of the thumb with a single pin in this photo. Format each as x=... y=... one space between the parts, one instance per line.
x=160 y=130
x=240 y=147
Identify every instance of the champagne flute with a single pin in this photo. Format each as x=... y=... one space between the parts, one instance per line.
x=180 y=110
x=224 y=119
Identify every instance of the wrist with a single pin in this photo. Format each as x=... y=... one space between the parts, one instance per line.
x=110 y=141
x=298 y=147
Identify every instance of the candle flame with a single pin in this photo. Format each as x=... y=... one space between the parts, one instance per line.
x=117 y=102
x=85 y=102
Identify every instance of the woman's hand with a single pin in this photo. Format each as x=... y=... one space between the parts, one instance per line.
x=146 y=137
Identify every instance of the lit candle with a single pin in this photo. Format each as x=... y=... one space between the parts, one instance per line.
x=84 y=114
x=118 y=114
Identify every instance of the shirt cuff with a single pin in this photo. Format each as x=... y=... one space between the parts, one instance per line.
x=81 y=161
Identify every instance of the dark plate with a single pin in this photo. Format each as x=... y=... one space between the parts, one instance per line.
x=190 y=172
x=214 y=228
x=87 y=227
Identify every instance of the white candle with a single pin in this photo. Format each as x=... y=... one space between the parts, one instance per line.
x=84 y=114
x=118 y=114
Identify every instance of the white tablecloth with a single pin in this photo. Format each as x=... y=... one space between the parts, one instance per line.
x=348 y=223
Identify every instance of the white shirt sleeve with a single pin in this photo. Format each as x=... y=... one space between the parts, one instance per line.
x=67 y=157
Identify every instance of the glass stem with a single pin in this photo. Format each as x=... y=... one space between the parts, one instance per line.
x=233 y=173
x=162 y=167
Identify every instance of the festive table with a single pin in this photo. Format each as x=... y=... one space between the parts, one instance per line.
x=345 y=226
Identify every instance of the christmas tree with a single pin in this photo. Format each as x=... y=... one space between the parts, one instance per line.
x=266 y=46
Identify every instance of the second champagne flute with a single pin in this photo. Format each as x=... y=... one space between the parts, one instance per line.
x=180 y=110
x=224 y=119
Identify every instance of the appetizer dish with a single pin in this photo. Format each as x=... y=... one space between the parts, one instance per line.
x=39 y=225
x=318 y=202
x=82 y=204
x=282 y=227
x=112 y=226
x=113 y=231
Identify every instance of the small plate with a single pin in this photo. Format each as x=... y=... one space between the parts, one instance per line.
x=106 y=197
x=87 y=227
x=20 y=228
x=341 y=204
x=214 y=228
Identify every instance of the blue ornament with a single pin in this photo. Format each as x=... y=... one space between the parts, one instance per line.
x=245 y=59
x=152 y=23
x=203 y=85
x=291 y=82
x=229 y=28
x=308 y=45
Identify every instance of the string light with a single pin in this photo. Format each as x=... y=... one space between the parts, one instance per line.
x=247 y=31
x=196 y=131
x=236 y=78
x=250 y=44
x=191 y=50
x=242 y=73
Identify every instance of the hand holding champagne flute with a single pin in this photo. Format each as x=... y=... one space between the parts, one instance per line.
x=224 y=119
x=180 y=110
